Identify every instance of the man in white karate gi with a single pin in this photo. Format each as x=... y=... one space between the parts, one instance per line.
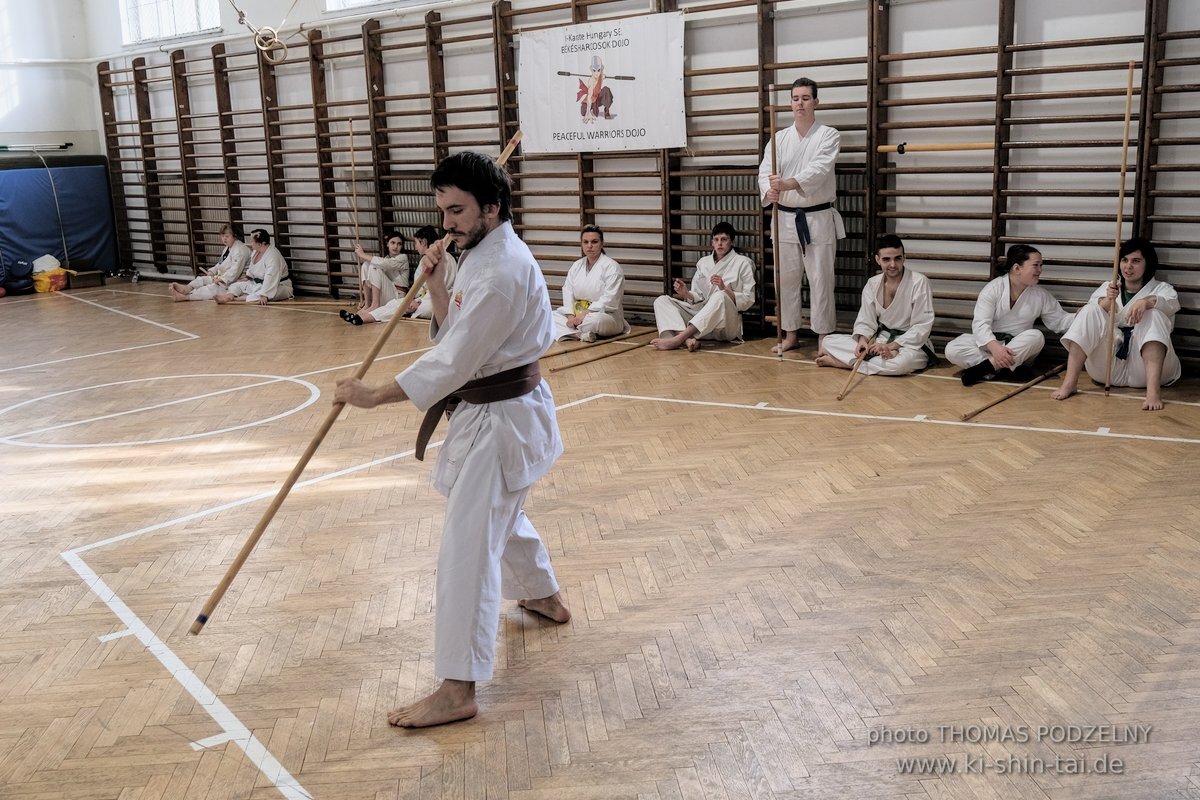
x=722 y=288
x=805 y=187
x=502 y=437
x=891 y=333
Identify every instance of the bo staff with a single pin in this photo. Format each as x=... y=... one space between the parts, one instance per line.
x=854 y=368
x=334 y=411
x=1116 y=273
x=1013 y=392
x=775 y=240
x=905 y=147
x=353 y=181
x=362 y=294
x=564 y=73
x=609 y=354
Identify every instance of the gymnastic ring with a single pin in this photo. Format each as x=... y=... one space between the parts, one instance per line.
x=267 y=40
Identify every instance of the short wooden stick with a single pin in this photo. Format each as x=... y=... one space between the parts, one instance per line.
x=854 y=368
x=1013 y=392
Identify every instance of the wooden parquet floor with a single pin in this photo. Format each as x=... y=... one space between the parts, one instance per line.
x=775 y=595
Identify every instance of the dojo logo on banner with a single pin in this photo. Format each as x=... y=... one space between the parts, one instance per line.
x=612 y=85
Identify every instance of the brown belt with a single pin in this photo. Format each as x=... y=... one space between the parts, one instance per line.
x=502 y=386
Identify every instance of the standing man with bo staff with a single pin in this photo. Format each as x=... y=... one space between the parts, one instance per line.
x=804 y=186
x=502 y=437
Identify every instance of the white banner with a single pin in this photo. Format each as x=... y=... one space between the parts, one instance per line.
x=612 y=85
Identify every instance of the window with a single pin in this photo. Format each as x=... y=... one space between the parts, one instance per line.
x=340 y=5
x=146 y=20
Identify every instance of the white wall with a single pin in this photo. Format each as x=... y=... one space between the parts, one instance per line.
x=46 y=102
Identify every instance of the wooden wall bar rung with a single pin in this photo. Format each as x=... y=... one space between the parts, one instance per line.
x=966 y=51
x=940 y=77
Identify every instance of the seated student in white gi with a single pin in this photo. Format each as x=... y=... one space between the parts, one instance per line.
x=380 y=276
x=226 y=271
x=591 y=294
x=266 y=278
x=1003 y=340
x=722 y=288
x=1142 y=352
x=896 y=311
x=422 y=306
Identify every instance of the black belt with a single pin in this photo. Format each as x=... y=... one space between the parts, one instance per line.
x=802 y=221
x=492 y=389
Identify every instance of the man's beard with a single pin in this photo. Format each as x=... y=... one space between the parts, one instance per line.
x=475 y=235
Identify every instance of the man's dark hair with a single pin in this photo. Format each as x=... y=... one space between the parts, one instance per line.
x=806 y=82
x=725 y=228
x=260 y=236
x=1017 y=255
x=1139 y=244
x=479 y=176
x=888 y=240
x=427 y=234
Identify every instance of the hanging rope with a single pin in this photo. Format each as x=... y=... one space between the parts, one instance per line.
x=273 y=49
x=66 y=262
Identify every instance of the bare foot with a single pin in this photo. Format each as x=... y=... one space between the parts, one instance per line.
x=826 y=360
x=693 y=344
x=223 y=298
x=790 y=342
x=450 y=702
x=668 y=342
x=1064 y=391
x=552 y=608
x=1153 y=401
x=177 y=293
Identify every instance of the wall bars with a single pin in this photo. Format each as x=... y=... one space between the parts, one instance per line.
x=195 y=138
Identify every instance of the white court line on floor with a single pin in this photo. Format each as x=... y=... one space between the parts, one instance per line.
x=314 y=393
x=920 y=420
x=184 y=334
x=220 y=713
x=955 y=378
x=236 y=731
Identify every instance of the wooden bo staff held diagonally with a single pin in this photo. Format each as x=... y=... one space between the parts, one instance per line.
x=854 y=368
x=1116 y=273
x=775 y=239
x=1013 y=392
x=256 y=534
